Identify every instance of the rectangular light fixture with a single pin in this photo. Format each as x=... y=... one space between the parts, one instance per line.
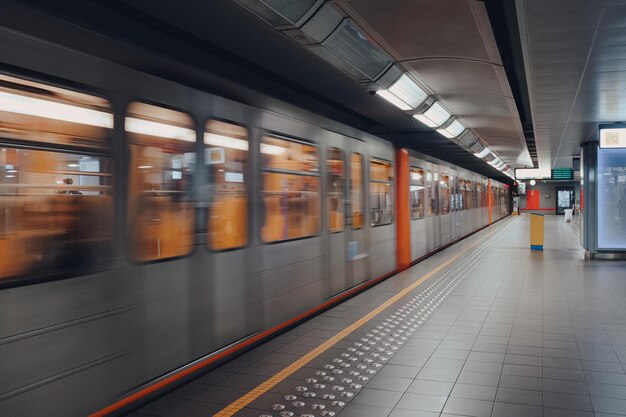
x=407 y=91
x=453 y=130
x=482 y=153
x=30 y=106
x=162 y=130
x=225 y=141
x=435 y=116
x=532 y=173
x=391 y=98
x=222 y=141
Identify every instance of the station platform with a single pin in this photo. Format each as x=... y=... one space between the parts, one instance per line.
x=484 y=328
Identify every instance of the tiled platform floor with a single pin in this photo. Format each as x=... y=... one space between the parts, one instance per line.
x=522 y=334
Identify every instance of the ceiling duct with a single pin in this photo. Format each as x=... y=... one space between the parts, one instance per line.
x=282 y=14
x=344 y=45
x=327 y=32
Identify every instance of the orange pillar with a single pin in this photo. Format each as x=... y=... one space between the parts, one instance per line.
x=489 y=200
x=403 y=225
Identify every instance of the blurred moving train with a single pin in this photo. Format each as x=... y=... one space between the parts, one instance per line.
x=148 y=229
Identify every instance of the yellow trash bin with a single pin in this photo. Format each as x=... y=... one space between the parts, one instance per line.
x=536 y=231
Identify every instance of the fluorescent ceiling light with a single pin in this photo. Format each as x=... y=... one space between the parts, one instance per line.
x=162 y=130
x=456 y=128
x=225 y=141
x=30 y=106
x=532 y=173
x=393 y=99
x=452 y=131
x=272 y=149
x=482 y=153
x=222 y=141
x=407 y=91
x=435 y=116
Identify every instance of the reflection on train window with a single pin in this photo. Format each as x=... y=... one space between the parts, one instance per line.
x=40 y=113
x=356 y=190
x=381 y=203
x=335 y=196
x=226 y=159
x=444 y=194
x=55 y=206
x=417 y=193
x=55 y=211
x=468 y=195
x=160 y=215
x=461 y=195
x=433 y=207
x=291 y=189
x=480 y=195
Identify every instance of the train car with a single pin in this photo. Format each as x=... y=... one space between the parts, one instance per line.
x=149 y=230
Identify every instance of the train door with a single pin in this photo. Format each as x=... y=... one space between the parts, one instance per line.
x=357 y=238
x=432 y=213
x=418 y=210
x=381 y=209
x=445 y=188
x=457 y=205
x=336 y=214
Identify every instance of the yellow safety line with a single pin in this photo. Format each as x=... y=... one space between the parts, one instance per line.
x=262 y=388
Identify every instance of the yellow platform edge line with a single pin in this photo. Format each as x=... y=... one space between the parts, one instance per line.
x=262 y=388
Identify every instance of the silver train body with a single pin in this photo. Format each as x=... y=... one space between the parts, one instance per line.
x=71 y=347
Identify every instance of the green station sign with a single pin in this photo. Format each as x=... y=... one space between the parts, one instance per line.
x=562 y=174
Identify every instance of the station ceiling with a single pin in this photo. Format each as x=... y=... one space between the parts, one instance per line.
x=575 y=60
x=466 y=53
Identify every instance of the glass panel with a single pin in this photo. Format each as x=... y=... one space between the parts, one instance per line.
x=381 y=203
x=418 y=191
x=286 y=155
x=444 y=194
x=611 y=198
x=291 y=190
x=162 y=156
x=291 y=206
x=226 y=159
x=335 y=197
x=432 y=192
x=56 y=212
x=36 y=112
x=356 y=190
x=461 y=194
x=351 y=45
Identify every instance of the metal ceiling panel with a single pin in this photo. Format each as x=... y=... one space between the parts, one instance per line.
x=453 y=76
x=415 y=29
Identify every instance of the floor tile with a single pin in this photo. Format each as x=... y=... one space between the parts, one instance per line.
x=515 y=410
x=468 y=407
x=519 y=396
x=422 y=402
x=476 y=392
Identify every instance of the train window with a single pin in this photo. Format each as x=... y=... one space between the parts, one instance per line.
x=356 y=190
x=469 y=195
x=433 y=207
x=226 y=159
x=417 y=193
x=162 y=156
x=56 y=208
x=381 y=203
x=462 y=203
x=335 y=194
x=444 y=194
x=291 y=189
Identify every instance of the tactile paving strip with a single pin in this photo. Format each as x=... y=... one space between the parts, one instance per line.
x=332 y=385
